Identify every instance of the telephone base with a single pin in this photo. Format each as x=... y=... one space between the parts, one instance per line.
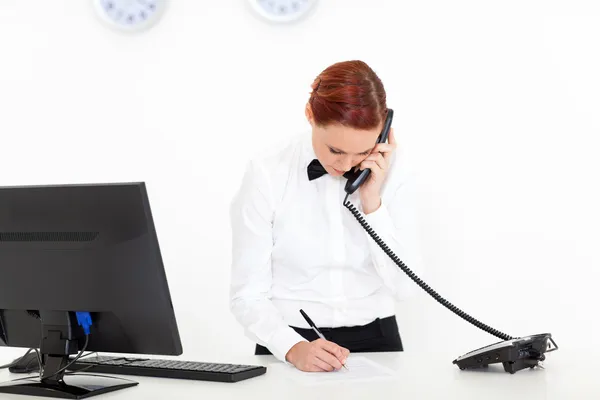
x=514 y=354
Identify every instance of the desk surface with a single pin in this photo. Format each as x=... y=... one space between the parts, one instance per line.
x=418 y=376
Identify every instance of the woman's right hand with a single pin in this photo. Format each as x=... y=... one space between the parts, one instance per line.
x=317 y=356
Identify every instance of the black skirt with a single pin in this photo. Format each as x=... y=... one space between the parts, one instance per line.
x=378 y=336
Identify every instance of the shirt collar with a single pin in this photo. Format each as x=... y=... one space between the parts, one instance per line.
x=308 y=150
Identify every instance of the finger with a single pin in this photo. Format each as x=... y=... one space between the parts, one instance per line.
x=383 y=148
x=382 y=162
x=345 y=353
x=333 y=348
x=379 y=159
x=372 y=165
x=374 y=156
x=391 y=137
x=320 y=366
x=330 y=359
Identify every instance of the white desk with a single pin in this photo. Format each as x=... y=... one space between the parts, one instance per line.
x=419 y=376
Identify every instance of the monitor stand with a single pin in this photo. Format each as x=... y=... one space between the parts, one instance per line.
x=58 y=342
x=71 y=387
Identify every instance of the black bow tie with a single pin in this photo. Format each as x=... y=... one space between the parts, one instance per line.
x=315 y=170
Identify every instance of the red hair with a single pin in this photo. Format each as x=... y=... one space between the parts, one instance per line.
x=348 y=93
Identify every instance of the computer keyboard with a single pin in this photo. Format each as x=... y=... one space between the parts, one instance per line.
x=167 y=368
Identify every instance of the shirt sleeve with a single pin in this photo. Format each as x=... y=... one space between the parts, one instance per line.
x=251 y=215
x=395 y=222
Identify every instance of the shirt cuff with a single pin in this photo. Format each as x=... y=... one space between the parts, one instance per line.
x=282 y=341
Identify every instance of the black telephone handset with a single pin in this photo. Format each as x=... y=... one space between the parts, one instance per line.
x=357 y=178
x=514 y=353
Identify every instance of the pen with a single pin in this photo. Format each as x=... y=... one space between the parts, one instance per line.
x=314 y=328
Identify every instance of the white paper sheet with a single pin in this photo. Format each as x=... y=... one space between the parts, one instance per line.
x=359 y=369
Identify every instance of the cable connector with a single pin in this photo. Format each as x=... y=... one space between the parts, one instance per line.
x=84 y=319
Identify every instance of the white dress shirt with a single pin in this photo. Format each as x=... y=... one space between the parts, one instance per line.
x=295 y=246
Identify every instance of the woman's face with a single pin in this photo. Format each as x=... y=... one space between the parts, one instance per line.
x=340 y=148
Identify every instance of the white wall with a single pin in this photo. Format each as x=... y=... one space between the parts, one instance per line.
x=497 y=104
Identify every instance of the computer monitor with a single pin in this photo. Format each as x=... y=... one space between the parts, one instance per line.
x=67 y=249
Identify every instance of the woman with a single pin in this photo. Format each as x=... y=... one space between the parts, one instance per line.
x=295 y=245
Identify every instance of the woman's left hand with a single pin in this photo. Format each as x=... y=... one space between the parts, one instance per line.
x=378 y=162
